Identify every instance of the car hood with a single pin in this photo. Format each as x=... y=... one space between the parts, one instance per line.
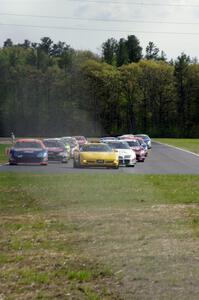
x=99 y=155
x=54 y=149
x=137 y=148
x=27 y=150
x=125 y=152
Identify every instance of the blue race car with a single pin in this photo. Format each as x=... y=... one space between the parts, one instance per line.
x=31 y=151
x=146 y=139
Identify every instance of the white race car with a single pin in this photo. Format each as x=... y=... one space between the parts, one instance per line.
x=127 y=156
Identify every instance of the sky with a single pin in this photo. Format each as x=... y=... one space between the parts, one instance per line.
x=173 y=26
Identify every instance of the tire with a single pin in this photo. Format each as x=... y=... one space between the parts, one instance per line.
x=116 y=167
x=76 y=164
x=12 y=163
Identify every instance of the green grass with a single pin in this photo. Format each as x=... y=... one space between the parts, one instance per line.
x=188 y=144
x=99 y=236
x=3 y=156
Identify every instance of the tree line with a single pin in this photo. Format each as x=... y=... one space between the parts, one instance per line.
x=51 y=89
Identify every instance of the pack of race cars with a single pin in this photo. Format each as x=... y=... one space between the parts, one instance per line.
x=109 y=152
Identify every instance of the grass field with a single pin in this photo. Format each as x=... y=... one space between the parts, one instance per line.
x=188 y=144
x=99 y=237
x=3 y=156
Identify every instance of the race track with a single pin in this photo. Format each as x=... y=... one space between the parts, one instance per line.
x=161 y=160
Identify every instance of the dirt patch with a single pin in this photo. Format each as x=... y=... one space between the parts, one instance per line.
x=151 y=249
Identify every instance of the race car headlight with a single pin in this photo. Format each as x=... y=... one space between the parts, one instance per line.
x=42 y=154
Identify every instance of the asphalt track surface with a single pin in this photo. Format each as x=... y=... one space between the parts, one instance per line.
x=162 y=159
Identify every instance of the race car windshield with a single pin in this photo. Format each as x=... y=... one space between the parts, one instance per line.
x=119 y=145
x=143 y=136
x=95 y=148
x=28 y=145
x=133 y=143
x=141 y=142
x=53 y=144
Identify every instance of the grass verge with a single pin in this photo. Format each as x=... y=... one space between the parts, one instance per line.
x=99 y=237
x=3 y=156
x=188 y=144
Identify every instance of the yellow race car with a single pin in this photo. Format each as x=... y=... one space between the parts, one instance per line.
x=96 y=155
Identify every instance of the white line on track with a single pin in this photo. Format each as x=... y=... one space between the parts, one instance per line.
x=187 y=151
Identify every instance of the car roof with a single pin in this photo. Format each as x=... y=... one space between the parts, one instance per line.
x=128 y=134
x=116 y=141
x=28 y=140
x=143 y=135
x=138 y=138
x=52 y=139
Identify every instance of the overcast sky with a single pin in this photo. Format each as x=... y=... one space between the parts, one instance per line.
x=86 y=24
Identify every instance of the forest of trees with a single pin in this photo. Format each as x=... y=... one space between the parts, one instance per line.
x=49 y=89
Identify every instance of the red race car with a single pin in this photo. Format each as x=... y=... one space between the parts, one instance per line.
x=142 y=144
x=139 y=150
